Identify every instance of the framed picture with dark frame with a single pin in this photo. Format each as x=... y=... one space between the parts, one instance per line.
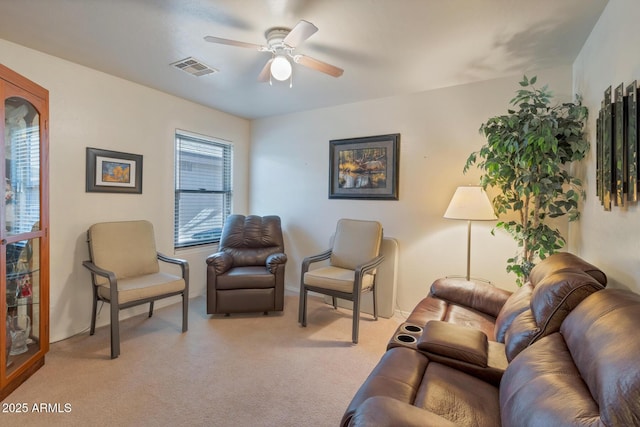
x=620 y=151
x=599 y=151
x=113 y=172
x=632 y=141
x=607 y=150
x=364 y=168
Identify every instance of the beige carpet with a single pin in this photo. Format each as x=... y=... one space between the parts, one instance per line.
x=243 y=370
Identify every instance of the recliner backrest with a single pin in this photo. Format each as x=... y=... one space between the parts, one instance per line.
x=127 y=248
x=555 y=287
x=586 y=372
x=355 y=242
x=251 y=239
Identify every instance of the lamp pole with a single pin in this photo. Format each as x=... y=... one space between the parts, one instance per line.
x=468 y=250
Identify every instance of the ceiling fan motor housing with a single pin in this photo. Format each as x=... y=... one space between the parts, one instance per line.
x=275 y=38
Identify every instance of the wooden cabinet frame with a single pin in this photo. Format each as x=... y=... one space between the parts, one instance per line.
x=14 y=370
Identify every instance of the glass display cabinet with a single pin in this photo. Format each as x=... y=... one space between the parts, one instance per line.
x=24 y=229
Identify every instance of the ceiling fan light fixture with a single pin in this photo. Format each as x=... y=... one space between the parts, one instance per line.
x=280 y=68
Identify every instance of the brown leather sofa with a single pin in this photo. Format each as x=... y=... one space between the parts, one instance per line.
x=573 y=357
x=247 y=273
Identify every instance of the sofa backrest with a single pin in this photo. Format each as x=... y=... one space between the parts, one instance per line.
x=251 y=239
x=555 y=287
x=588 y=371
x=563 y=260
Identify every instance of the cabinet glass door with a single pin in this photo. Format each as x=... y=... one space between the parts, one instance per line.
x=21 y=236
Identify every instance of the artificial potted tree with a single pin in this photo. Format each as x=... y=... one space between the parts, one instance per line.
x=528 y=158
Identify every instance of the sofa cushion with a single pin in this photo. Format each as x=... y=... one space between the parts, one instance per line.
x=587 y=372
x=518 y=302
x=520 y=334
x=251 y=239
x=557 y=295
x=480 y=296
x=246 y=277
x=458 y=397
x=602 y=336
x=398 y=374
x=428 y=309
x=471 y=318
x=565 y=260
x=382 y=411
x=552 y=299
x=455 y=342
x=544 y=377
x=409 y=377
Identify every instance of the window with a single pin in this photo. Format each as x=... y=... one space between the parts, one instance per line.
x=203 y=189
x=22 y=180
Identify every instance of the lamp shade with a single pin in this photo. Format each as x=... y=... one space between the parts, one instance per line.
x=280 y=68
x=471 y=203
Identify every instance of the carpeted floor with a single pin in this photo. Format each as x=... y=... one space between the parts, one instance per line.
x=243 y=370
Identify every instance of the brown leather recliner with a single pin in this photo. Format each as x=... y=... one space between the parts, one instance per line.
x=584 y=374
x=571 y=347
x=479 y=329
x=247 y=273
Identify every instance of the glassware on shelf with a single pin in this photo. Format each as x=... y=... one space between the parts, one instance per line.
x=19 y=327
x=7 y=343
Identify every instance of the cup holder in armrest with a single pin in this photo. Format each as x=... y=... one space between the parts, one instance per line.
x=409 y=339
x=406 y=335
x=412 y=329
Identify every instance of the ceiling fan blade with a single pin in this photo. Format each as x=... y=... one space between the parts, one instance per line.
x=318 y=65
x=220 y=40
x=302 y=31
x=266 y=71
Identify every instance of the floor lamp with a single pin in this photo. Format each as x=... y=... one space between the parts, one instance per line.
x=470 y=203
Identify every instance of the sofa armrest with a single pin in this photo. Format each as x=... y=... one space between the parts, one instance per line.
x=220 y=262
x=455 y=342
x=274 y=261
x=382 y=411
x=480 y=296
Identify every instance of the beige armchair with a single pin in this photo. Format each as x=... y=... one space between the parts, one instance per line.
x=125 y=272
x=351 y=270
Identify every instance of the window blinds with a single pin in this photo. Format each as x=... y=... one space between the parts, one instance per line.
x=203 y=189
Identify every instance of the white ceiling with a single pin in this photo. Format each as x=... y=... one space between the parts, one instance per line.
x=386 y=47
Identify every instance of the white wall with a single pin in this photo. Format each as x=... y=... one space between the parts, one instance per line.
x=611 y=240
x=289 y=169
x=92 y=109
x=439 y=129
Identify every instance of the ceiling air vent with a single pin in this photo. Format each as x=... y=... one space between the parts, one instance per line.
x=194 y=67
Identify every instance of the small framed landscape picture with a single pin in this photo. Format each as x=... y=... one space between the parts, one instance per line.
x=113 y=172
x=364 y=168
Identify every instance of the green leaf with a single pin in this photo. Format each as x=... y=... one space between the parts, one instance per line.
x=527 y=158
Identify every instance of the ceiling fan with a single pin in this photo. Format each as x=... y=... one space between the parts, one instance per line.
x=281 y=42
